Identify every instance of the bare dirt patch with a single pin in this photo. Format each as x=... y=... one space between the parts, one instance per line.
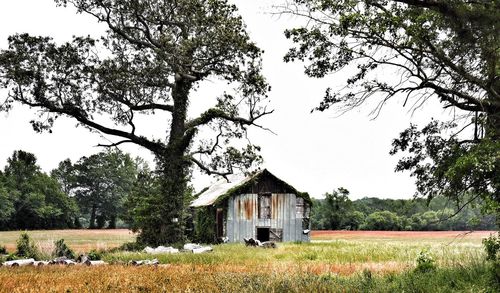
x=328 y=234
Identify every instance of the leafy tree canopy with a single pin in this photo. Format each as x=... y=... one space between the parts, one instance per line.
x=435 y=49
x=383 y=220
x=6 y=202
x=100 y=184
x=30 y=198
x=331 y=212
x=398 y=214
x=154 y=55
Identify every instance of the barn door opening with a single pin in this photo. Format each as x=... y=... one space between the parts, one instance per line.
x=263 y=234
x=220 y=223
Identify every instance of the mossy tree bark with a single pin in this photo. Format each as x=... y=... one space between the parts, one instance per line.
x=169 y=225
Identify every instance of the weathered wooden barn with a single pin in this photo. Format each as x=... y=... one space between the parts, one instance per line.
x=261 y=206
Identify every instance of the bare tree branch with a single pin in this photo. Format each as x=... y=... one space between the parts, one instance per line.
x=209 y=171
x=214 y=113
x=115 y=144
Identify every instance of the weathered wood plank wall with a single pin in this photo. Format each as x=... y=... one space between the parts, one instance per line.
x=243 y=217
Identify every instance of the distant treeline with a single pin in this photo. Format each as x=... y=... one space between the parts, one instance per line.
x=337 y=212
x=109 y=190
x=93 y=192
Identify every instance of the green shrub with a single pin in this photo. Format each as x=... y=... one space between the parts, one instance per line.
x=3 y=250
x=132 y=246
x=383 y=220
x=26 y=247
x=367 y=280
x=204 y=225
x=95 y=255
x=425 y=263
x=494 y=269
x=367 y=274
x=492 y=247
x=11 y=256
x=62 y=249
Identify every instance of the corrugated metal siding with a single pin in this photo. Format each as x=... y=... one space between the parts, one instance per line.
x=242 y=217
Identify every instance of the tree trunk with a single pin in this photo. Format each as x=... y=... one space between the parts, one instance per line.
x=492 y=132
x=77 y=223
x=112 y=222
x=92 y=217
x=493 y=124
x=166 y=224
x=101 y=221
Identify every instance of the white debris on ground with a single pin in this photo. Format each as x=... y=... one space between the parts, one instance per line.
x=62 y=261
x=56 y=261
x=202 y=249
x=192 y=247
x=95 y=262
x=196 y=248
x=19 y=262
x=146 y=262
x=160 y=249
x=257 y=243
x=84 y=259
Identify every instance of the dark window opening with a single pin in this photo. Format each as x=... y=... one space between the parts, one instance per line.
x=220 y=223
x=263 y=234
x=265 y=206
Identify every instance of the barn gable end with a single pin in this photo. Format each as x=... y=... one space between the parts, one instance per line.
x=261 y=206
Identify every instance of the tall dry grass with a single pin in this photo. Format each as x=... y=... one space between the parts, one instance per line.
x=357 y=264
x=194 y=278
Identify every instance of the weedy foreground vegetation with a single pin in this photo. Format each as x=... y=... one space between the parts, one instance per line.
x=340 y=261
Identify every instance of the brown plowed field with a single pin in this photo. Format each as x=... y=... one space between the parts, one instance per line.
x=332 y=235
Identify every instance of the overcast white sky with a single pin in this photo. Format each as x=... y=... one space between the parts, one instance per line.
x=313 y=152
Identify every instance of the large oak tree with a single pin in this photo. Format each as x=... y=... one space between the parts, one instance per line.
x=153 y=56
x=416 y=50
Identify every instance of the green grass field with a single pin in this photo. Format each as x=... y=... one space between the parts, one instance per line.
x=334 y=261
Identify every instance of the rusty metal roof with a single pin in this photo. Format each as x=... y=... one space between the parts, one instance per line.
x=220 y=187
x=236 y=183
